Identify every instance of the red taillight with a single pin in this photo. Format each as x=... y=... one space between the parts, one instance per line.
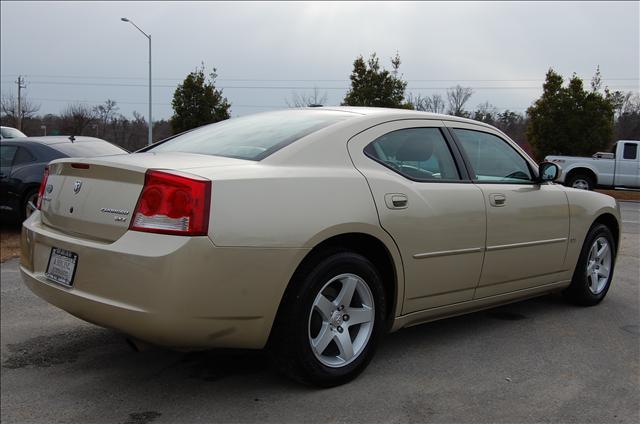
x=43 y=185
x=173 y=203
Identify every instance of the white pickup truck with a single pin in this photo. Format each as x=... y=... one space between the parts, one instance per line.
x=620 y=168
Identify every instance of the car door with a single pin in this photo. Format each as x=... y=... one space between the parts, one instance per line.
x=7 y=154
x=527 y=222
x=628 y=166
x=427 y=203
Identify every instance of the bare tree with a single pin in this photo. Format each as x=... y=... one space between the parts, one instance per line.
x=9 y=104
x=486 y=112
x=306 y=100
x=433 y=103
x=76 y=118
x=105 y=113
x=457 y=97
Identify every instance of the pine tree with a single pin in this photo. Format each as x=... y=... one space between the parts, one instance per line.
x=571 y=120
x=374 y=86
x=197 y=102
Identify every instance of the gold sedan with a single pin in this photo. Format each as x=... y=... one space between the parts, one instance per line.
x=312 y=232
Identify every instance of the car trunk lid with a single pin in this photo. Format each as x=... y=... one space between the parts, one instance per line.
x=95 y=198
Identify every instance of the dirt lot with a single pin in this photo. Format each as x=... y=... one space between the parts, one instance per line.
x=622 y=194
x=9 y=242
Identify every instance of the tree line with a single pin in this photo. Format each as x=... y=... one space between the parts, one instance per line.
x=567 y=118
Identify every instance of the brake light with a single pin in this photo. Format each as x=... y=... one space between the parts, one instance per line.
x=43 y=185
x=173 y=203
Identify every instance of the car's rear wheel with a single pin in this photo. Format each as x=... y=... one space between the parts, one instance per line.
x=330 y=321
x=594 y=271
x=581 y=181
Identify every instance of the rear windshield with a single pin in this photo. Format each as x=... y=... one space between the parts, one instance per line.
x=84 y=149
x=252 y=137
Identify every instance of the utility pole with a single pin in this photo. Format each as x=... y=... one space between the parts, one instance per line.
x=21 y=85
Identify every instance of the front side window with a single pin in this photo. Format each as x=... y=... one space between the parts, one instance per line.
x=252 y=137
x=416 y=153
x=630 y=151
x=492 y=159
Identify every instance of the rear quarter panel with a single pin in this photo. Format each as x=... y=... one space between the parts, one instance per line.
x=296 y=200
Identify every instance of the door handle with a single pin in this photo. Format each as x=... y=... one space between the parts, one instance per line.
x=396 y=200
x=497 y=199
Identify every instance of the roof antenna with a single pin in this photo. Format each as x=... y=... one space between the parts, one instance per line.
x=72 y=138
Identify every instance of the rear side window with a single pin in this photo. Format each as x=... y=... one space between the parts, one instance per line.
x=82 y=149
x=416 y=153
x=630 y=151
x=253 y=137
x=23 y=156
x=492 y=159
x=7 y=153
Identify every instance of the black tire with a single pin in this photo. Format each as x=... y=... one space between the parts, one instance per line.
x=586 y=179
x=579 y=291
x=24 y=214
x=290 y=347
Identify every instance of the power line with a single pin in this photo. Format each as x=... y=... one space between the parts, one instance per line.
x=140 y=103
x=169 y=104
x=291 y=87
x=103 y=77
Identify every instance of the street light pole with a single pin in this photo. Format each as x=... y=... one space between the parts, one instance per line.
x=150 y=140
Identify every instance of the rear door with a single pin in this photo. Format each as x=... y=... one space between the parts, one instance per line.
x=527 y=223
x=426 y=202
x=628 y=165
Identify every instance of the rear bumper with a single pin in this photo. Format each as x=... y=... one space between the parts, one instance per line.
x=181 y=292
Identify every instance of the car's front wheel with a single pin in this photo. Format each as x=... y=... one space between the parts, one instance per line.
x=594 y=271
x=330 y=321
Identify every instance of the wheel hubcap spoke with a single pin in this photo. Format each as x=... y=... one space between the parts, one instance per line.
x=323 y=339
x=324 y=306
x=603 y=250
x=345 y=346
x=359 y=315
x=346 y=293
x=604 y=272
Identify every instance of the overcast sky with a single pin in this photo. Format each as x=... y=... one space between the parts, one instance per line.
x=82 y=52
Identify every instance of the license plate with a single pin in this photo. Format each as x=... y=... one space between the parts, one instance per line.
x=62 y=266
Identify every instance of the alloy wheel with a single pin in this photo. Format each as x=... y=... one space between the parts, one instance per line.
x=599 y=265
x=341 y=320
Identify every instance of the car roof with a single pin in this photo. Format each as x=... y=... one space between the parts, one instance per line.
x=54 y=139
x=392 y=113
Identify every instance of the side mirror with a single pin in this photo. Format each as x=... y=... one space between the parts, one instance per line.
x=548 y=171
